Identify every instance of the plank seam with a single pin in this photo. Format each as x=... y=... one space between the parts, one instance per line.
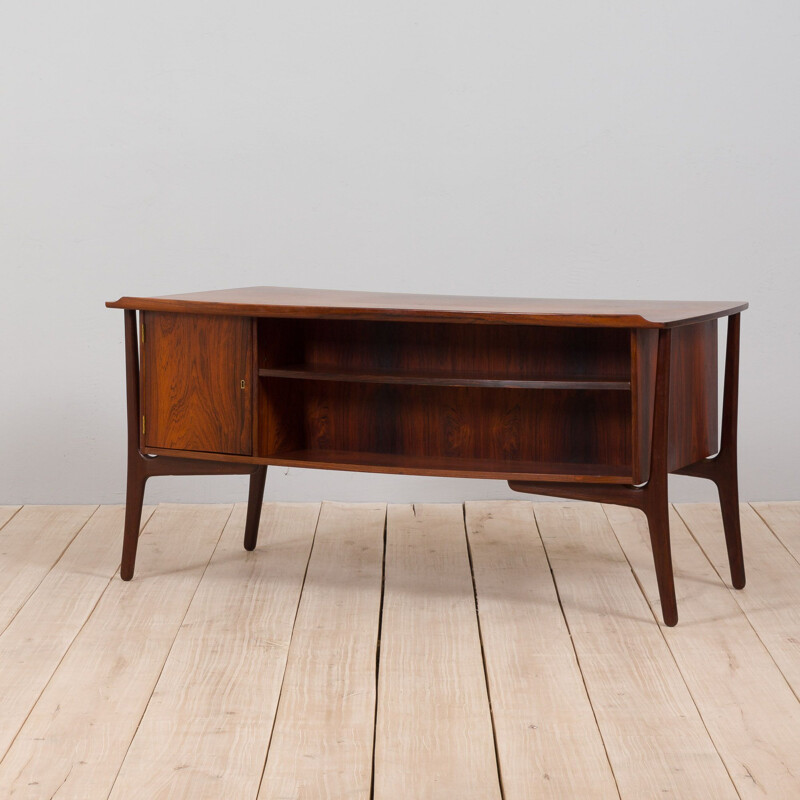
x=669 y=649
x=172 y=645
x=378 y=652
x=772 y=531
x=483 y=653
x=67 y=649
x=734 y=592
x=60 y=556
x=291 y=636
x=19 y=508
x=575 y=650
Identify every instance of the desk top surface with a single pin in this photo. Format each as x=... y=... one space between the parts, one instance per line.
x=278 y=301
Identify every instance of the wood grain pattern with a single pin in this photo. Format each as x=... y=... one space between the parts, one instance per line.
x=655 y=738
x=424 y=422
x=322 y=740
x=734 y=681
x=34 y=643
x=431 y=391
x=30 y=543
x=433 y=734
x=771 y=599
x=693 y=417
x=76 y=737
x=278 y=301
x=736 y=650
x=206 y=729
x=497 y=352
x=193 y=370
x=548 y=744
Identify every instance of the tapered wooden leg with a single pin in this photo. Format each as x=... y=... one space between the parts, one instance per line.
x=137 y=479
x=254 y=502
x=655 y=500
x=658 y=522
x=727 y=478
x=728 y=489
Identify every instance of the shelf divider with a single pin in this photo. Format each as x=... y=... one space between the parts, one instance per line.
x=435 y=378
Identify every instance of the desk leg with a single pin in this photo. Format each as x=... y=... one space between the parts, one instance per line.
x=137 y=478
x=137 y=475
x=655 y=500
x=254 y=502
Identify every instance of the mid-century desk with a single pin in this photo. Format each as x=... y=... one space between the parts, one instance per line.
x=585 y=399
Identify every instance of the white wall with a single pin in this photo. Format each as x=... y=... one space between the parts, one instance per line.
x=571 y=149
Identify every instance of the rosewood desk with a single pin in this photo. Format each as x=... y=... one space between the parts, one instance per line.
x=585 y=399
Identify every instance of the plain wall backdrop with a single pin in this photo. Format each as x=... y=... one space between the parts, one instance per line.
x=571 y=149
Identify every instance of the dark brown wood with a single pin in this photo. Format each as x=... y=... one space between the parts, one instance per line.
x=255 y=500
x=644 y=347
x=692 y=398
x=595 y=400
x=502 y=426
x=401 y=392
x=197 y=392
x=655 y=498
x=723 y=467
x=495 y=352
x=279 y=301
x=137 y=474
x=393 y=464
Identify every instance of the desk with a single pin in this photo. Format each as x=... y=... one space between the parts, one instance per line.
x=584 y=399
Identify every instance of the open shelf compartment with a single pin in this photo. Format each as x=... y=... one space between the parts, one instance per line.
x=503 y=401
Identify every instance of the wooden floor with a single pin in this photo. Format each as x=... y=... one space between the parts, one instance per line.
x=492 y=650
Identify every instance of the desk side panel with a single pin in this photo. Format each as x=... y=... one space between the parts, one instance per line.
x=693 y=411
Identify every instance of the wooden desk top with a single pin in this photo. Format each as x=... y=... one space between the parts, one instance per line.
x=277 y=301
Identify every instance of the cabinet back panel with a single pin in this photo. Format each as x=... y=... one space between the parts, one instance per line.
x=582 y=427
x=497 y=351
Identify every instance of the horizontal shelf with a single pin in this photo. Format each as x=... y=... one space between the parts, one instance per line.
x=357 y=461
x=435 y=378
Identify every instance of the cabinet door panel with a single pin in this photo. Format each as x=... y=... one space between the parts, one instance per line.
x=193 y=369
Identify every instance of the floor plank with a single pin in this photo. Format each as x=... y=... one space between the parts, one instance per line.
x=733 y=680
x=434 y=731
x=784 y=521
x=548 y=742
x=30 y=543
x=655 y=738
x=771 y=598
x=94 y=664
x=76 y=736
x=206 y=730
x=34 y=643
x=6 y=513
x=322 y=741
